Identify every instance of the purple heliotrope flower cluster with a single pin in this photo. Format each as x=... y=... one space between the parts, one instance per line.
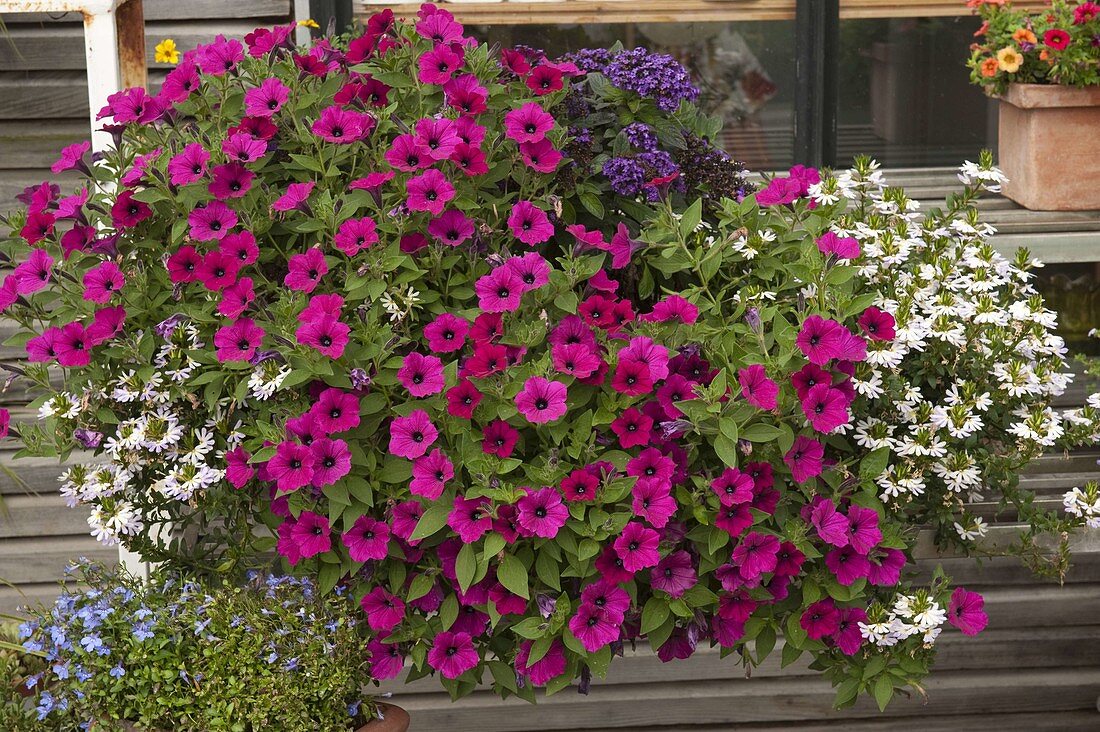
x=657 y=76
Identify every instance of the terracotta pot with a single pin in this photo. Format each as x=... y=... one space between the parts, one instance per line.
x=1047 y=146
x=396 y=720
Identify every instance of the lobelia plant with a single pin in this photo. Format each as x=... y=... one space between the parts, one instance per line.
x=1059 y=44
x=504 y=347
x=173 y=653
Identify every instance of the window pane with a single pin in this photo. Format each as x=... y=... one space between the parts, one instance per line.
x=905 y=94
x=745 y=71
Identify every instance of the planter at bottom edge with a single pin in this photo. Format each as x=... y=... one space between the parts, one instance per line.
x=1047 y=146
x=395 y=719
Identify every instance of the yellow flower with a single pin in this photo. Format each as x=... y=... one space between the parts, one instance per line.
x=309 y=23
x=166 y=52
x=1009 y=59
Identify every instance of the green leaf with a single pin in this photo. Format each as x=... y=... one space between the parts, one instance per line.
x=691 y=218
x=872 y=466
x=592 y=202
x=513 y=575
x=790 y=655
x=654 y=614
x=421 y=585
x=434 y=519
x=883 y=691
x=328 y=576
x=761 y=432
x=765 y=642
x=726 y=450
x=466 y=566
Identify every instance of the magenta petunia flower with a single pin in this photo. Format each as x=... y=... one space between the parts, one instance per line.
x=757 y=389
x=438 y=136
x=820 y=619
x=238 y=341
x=386 y=661
x=966 y=612
x=594 y=627
x=311 y=534
x=470 y=518
x=732 y=487
x=462 y=399
x=676 y=389
x=541 y=513
x=321 y=306
x=305 y=429
x=127 y=212
x=847 y=565
x=335 y=410
x=384 y=610
x=421 y=375
x=863 y=531
x=637 y=545
x=550 y=666
x=831 y=525
x=529 y=223
x=106 y=324
x=332 y=461
x=633 y=428
x=606 y=595
x=528 y=123
x=220 y=57
x=430 y=475
x=73 y=345
x=654 y=355
x=408 y=153
x=295 y=199
x=546 y=78
x=779 y=192
x=877 y=324
x=452 y=654
x=632 y=378
x=671 y=308
x=368 y=538
x=675 y=574
x=231 y=180
x=430 y=191
x=189 y=165
x=411 y=436
x=848 y=636
x=355 y=235
x=499 y=438
x=807 y=378
x=532 y=269
x=404 y=517
x=576 y=360
x=292 y=466
x=217 y=270
x=805 y=458
x=580 y=485
x=243 y=148
x=439 y=65
x=305 y=270
x=885 y=566
x=541 y=156
x=622 y=247
x=102 y=282
x=43 y=347
x=826 y=408
x=342 y=126
x=470 y=159
x=72 y=158
x=500 y=291
x=238 y=471
x=844 y=247
x=266 y=99
x=541 y=400
x=236 y=298
x=447 y=333
x=821 y=340
x=452 y=228
x=211 y=222
x=755 y=554
x=325 y=334
x=466 y=94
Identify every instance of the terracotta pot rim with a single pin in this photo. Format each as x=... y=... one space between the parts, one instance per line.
x=1043 y=96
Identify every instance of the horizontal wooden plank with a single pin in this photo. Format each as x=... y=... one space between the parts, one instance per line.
x=724 y=701
x=58 y=46
x=43 y=559
x=41 y=515
x=174 y=10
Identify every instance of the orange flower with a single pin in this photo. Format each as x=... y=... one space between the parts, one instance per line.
x=1023 y=35
x=1044 y=55
x=981 y=30
x=990 y=67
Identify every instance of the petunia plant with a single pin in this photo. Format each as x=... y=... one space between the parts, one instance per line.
x=507 y=348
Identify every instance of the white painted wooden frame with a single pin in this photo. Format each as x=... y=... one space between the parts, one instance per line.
x=114 y=46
